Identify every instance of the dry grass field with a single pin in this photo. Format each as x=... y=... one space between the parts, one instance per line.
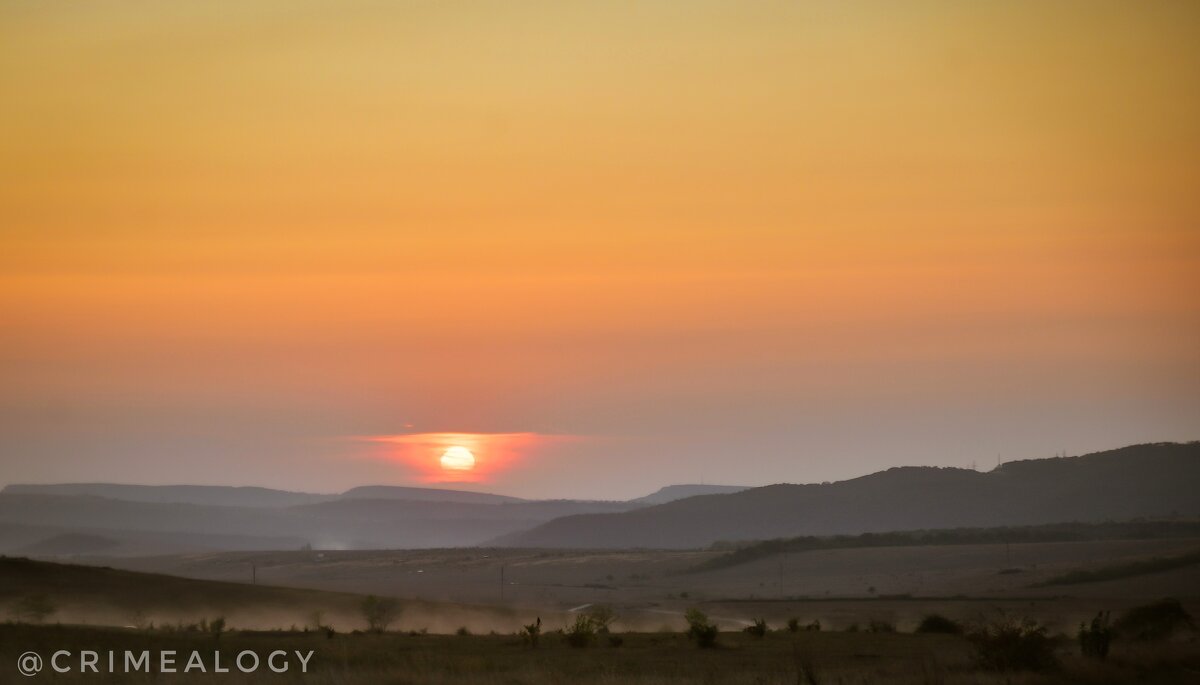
x=652 y=588
x=640 y=659
x=862 y=639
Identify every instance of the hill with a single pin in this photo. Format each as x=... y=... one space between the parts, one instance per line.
x=34 y=519
x=211 y=495
x=230 y=496
x=671 y=493
x=426 y=495
x=1137 y=481
x=92 y=594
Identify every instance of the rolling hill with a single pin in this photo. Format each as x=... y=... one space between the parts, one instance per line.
x=161 y=528
x=70 y=519
x=671 y=493
x=1159 y=479
x=211 y=495
x=92 y=594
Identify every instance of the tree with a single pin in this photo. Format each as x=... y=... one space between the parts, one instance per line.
x=379 y=612
x=1094 y=638
x=34 y=608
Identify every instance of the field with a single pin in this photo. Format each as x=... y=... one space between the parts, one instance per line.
x=461 y=612
x=112 y=597
x=641 y=658
x=653 y=588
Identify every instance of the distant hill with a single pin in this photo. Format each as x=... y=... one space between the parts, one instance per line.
x=229 y=496
x=426 y=495
x=213 y=495
x=673 y=492
x=1142 y=480
x=160 y=528
x=70 y=544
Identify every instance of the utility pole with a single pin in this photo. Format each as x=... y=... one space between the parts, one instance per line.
x=501 y=582
x=253 y=573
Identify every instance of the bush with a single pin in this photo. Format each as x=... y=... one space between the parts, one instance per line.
x=531 y=633
x=700 y=630
x=793 y=625
x=1094 y=638
x=217 y=626
x=1153 y=621
x=936 y=623
x=581 y=633
x=758 y=629
x=379 y=612
x=602 y=617
x=462 y=631
x=880 y=627
x=1014 y=646
x=615 y=640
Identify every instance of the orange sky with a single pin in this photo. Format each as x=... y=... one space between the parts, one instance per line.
x=739 y=242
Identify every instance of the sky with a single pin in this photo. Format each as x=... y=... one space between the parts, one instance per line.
x=612 y=246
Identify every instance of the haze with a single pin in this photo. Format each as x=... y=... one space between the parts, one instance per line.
x=722 y=242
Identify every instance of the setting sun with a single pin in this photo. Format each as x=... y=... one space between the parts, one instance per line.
x=458 y=459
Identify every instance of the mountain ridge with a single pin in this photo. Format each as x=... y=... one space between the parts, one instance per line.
x=1138 y=480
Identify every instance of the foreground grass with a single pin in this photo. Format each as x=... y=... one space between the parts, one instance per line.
x=641 y=659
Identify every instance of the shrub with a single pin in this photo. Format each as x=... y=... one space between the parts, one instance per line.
x=581 y=633
x=880 y=627
x=1153 y=621
x=531 y=633
x=462 y=631
x=793 y=625
x=936 y=623
x=379 y=612
x=615 y=640
x=1009 y=645
x=602 y=617
x=217 y=626
x=758 y=629
x=1094 y=638
x=700 y=630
